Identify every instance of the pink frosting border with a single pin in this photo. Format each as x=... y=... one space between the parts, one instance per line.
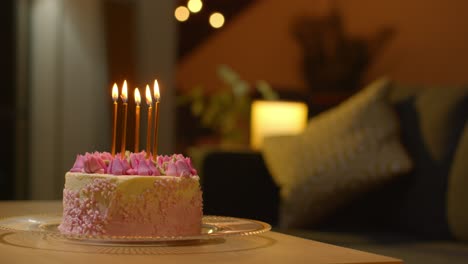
x=134 y=164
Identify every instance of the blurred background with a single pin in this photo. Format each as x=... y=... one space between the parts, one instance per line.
x=59 y=59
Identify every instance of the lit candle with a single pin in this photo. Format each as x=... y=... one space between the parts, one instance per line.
x=149 y=102
x=137 y=119
x=156 y=119
x=115 y=96
x=124 y=123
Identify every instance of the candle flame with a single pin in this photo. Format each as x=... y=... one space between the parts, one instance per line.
x=137 y=96
x=156 y=90
x=115 y=92
x=124 y=92
x=149 y=98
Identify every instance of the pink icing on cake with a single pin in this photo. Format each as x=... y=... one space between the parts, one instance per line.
x=149 y=204
x=133 y=164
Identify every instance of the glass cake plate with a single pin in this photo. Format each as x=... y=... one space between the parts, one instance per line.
x=212 y=227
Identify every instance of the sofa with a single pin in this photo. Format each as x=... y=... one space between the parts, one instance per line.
x=419 y=214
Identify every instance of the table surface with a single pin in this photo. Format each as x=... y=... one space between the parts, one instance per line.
x=270 y=247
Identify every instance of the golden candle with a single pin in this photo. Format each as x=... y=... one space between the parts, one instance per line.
x=149 y=102
x=124 y=121
x=137 y=119
x=115 y=96
x=156 y=119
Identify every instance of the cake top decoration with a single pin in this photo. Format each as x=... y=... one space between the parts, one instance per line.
x=134 y=164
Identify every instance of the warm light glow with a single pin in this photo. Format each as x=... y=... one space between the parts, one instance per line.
x=216 y=20
x=137 y=96
x=181 y=13
x=269 y=118
x=115 y=92
x=149 y=98
x=194 y=5
x=157 y=95
x=124 y=95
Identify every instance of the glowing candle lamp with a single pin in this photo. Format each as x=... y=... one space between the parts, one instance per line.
x=271 y=118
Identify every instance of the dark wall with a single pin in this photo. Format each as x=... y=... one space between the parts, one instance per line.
x=7 y=98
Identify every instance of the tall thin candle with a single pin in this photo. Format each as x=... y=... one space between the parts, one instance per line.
x=137 y=119
x=156 y=119
x=149 y=102
x=115 y=96
x=124 y=121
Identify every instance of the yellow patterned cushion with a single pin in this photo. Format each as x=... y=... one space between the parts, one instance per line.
x=343 y=152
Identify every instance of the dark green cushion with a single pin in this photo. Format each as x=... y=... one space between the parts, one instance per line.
x=458 y=189
x=431 y=123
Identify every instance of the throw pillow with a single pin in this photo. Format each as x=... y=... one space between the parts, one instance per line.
x=342 y=153
x=457 y=195
x=431 y=121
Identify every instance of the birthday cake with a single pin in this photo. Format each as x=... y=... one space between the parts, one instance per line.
x=131 y=195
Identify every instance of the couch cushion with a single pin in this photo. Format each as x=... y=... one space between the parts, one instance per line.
x=431 y=121
x=458 y=189
x=343 y=152
x=410 y=249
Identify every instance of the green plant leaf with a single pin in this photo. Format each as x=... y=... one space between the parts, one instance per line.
x=227 y=75
x=266 y=91
x=240 y=88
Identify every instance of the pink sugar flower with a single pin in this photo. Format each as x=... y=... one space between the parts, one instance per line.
x=94 y=164
x=78 y=166
x=171 y=169
x=163 y=160
x=179 y=168
x=118 y=166
x=136 y=158
x=105 y=156
x=176 y=165
x=144 y=168
x=139 y=165
x=188 y=161
x=162 y=163
x=134 y=164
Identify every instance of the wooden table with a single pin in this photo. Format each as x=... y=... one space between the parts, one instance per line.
x=270 y=247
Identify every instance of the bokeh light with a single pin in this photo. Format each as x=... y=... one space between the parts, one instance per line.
x=216 y=20
x=194 y=5
x=181 y=13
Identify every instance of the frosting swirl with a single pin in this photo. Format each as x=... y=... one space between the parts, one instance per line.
x=134 y=164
